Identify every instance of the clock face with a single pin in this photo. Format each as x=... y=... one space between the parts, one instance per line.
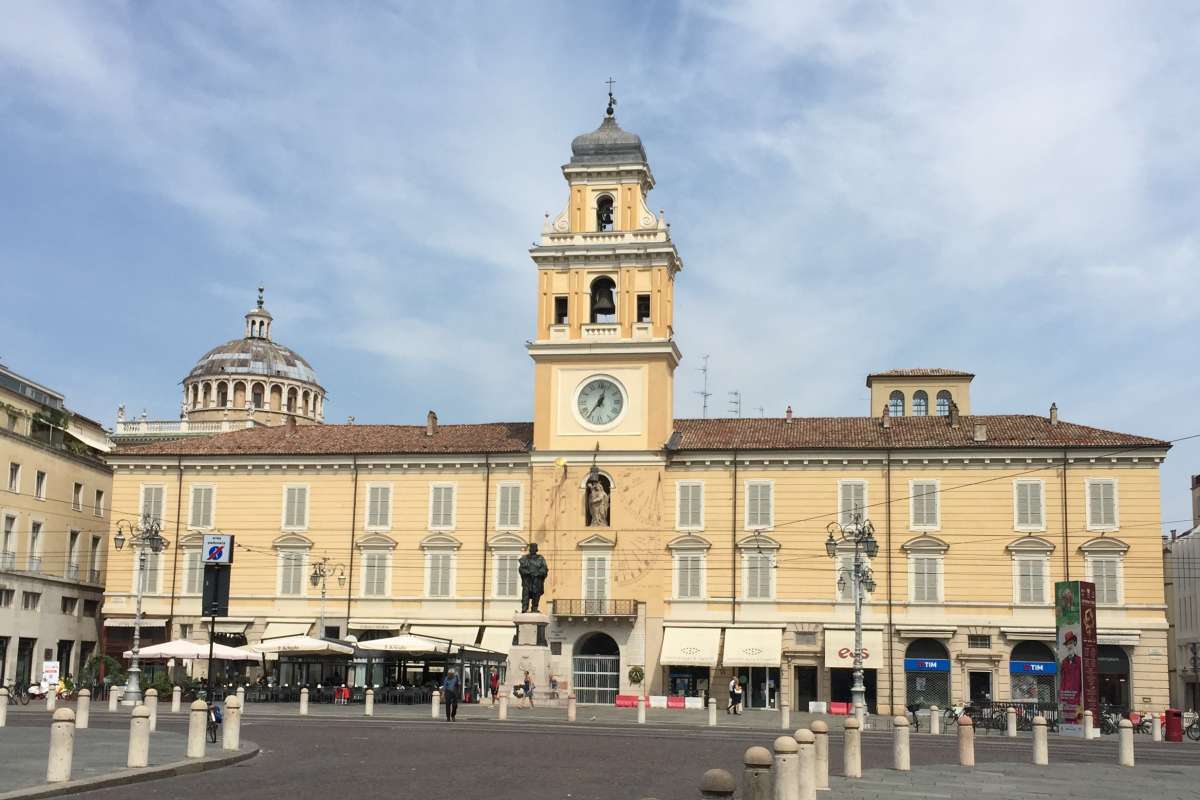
x=600 y=401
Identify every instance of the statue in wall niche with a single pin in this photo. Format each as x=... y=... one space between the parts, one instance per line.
x=533 y=570
x=598 y=503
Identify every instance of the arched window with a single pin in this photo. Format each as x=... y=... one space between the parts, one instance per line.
x=256 y=395
x=305 y=404
x=920 y=406
x=604 y=307
x=896 y=404
x=943 y=403
x=222 y=394
x=291 y=401
x=604 y=213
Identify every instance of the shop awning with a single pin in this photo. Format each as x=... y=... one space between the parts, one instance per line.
x=375 y=624
x=127 y=622
x=459 y=634
x=277 y=630
x=690 y=647
x=303 y=645
x=227 y=627
x=498 y=638
x=839 y=649
x=753 y=647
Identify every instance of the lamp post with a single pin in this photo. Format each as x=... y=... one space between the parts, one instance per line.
x=142 y=536
x=321 y=571
x=860 y=535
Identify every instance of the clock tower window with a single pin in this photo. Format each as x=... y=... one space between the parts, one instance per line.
x=643 y=308
x=604 y=307
x=604 y=213
x=561 y=315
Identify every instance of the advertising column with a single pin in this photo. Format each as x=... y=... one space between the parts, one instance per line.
x=1075 y=630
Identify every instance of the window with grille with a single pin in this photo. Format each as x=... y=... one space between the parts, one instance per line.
x=439 y=565
x=1106 y=576
x=1031 y=580
x=759 y=575
x=979 y=641
x=379 y=507
x=375 y=574
x=291 y=573
x=688 y=571
x=690 y=513
x=1102 y=504
x=152 y=502
x=1029 y=510
x=920 y=404
x=926 y=575
x=508 y=506
x=202 y=507
x=508 y=579
x=759 y=511
x=896 y=404
x=924 y=504
x=193 y=572
x=295 y=507
x=77 y=497
x=852 y=500
x=441 y=506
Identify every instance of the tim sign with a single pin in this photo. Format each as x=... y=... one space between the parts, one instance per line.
x=218 y=548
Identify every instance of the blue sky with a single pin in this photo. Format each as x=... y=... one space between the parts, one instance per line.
x=1006 y=188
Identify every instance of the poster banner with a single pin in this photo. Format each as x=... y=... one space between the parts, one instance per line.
x=1075 y=629
x=50 y=673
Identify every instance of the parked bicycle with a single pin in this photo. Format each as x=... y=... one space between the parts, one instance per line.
x=1193 y=730
x=18 y=695
x=951 y=716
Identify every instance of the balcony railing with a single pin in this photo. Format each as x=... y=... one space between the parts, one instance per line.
x=8 y=560
x=93 y=576
x=35 y=563
x=594 y=608
x=181 y=427
x=601 y=330
x=72 y=572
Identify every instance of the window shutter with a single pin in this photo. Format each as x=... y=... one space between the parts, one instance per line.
x=379 y=507
x=295 y=506
x=150 y=574
x=1107 y=506
x=596 y=570
x=443 y=505
x=201 y=507
x=924 y=504
x=758 y=512
x=510 y=507
x=152 y=502
x=690 y=500
x=195 y=572
x=506 y=575
x=689 y=576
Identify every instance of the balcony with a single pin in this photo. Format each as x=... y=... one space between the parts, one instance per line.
x=35 y=564
x=601 y=330
x=595 y=609
x=94 y=576
x=179 y=427
x=72 y=572
x=8 y=560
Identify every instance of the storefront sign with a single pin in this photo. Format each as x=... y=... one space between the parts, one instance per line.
x=839 y=649
x=50 y=672
x=1075 y=628
x=926 y=665
x=1034 y=667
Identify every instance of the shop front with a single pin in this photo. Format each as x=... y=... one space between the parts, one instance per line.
x=1032 y=670
x=1112 y=664
x=755 y=655
x=839 y=660
x=688 y=658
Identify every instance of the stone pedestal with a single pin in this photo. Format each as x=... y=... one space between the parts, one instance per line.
x=531 y=654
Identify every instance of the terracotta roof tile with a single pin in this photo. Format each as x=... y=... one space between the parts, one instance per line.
x=921 y=372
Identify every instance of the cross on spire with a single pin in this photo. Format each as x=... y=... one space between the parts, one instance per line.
x=612 y=101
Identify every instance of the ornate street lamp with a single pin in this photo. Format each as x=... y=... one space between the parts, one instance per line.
x=860 y=535
x=322 y=570
x=144 y=535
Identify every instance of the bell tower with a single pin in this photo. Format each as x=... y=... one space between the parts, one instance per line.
x=604 y=355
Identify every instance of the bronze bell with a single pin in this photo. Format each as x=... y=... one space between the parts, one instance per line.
x=602 y=299
x=606 y=219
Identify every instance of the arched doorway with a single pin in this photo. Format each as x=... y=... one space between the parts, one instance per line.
x=927 y=674
x=1031 y=669
x=596 y=666
x=1112 y=663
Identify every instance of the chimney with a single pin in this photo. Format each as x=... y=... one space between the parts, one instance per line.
x=787 y=415
x=980 y=432
x=430 y=423
x=1054 y=413
x=953 y=414
x=887 y=417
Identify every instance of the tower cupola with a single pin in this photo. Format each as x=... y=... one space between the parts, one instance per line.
x=258 y=320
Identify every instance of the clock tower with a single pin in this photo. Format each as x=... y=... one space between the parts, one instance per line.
x=604 y=355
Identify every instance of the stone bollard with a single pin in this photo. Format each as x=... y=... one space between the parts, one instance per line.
x=3 y=706
x=806 y=764
x=231 y=738
x=641 y=710
x=304 y=702
x=1041 y=748
x=712 y=712
x=787 y=773
x=1125 y=743
x=756 y=774
x=152 y=707
x=572 y=710
x=369 y=703
x=900 y=733
x=503 y=713
x=785 y=716
x=176 y=698
x=197 y=724
x=935 y=721
x=139 y=738
x=860 y=713
x=83 y=709
x=852 y=749
x=51 y=699
x=1088 y=725
x=717 y=783
x=113 y=696
x=821 y=749
x=62 y=746
x=435 y=704
x=1011 y=720
x=241 y=698
x=966 y=742
x=1155 y=727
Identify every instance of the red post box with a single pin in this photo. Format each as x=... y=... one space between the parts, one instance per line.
x=1174 y=725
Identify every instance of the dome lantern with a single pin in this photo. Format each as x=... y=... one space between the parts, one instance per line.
x=258 y=320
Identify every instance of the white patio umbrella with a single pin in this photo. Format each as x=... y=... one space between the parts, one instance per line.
x=184 y=648
x=409 y=643
x=303 y=645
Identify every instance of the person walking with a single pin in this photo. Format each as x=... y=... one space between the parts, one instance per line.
x=494 y=684
x=733 y=688
x=738 y=695
x=451 y=687
x=529 y=687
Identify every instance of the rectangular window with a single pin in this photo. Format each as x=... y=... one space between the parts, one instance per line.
x=979 y=641
x=926 y=579
x=295 y=507
x=6 y=598
x=690 y=513
x=31 y=600
x=1102 y=504
x=291 y=573
x=688 y=571
x=439 y=567
x=8 y=545
x=379 y=507
x=759 y=569
x=35 y=546
x=375 y=574
x=201 y=515
x=852 y=501
x=1106 y=576
x=1030 y=511
x=152 y=502
x=69 y=605
x=759 y=508
x=643 y=308
x=441 y=506
x=508 y=506
x=91 y=608
x=595 y=578
x=14 y=477
x=39 y=485
x=149 y=574
x=73 y=556
x=1031 y=580
x=924 y=504
x=508 y=579
x=77 y=497
x=98 y=507
x=193 y=577
x=561 y=316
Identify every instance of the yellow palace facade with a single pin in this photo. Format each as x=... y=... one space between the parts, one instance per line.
x=692 y=548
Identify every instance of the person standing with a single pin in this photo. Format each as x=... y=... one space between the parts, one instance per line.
x=738 y=695
x=529 y=687
x=494 y=684
x=451 y=687
x=733 y=687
